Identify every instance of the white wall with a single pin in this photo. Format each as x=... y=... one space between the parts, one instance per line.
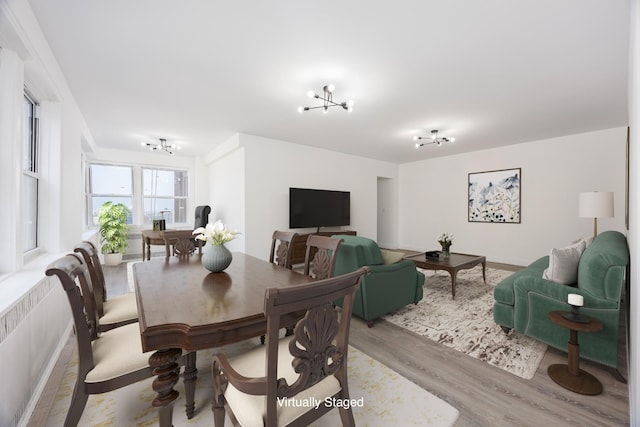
x=271 y=167
x=634 y=202
x=433 y=196
x=35 y=318
x=226 y=176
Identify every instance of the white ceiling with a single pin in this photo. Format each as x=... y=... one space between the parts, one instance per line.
x=490 y=73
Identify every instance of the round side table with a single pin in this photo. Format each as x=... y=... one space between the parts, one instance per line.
x=570 y=376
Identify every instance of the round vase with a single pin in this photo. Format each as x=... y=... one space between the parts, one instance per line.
x=216 y=258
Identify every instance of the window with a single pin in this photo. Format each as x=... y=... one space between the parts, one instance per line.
x=149 y=193
x=109 y=183
x=165 y=195
x=30 y=176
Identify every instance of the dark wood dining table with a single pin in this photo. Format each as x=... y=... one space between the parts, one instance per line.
x=184 y=307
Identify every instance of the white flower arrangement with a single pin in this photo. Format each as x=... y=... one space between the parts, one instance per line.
x=216 y=234
x=445 y=239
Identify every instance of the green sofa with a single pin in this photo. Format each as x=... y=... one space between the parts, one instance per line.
x=524 y=299
x=387 y=287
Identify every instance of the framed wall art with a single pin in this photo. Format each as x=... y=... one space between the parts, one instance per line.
x=494 y=196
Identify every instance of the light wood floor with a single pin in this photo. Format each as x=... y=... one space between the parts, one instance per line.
x=484 y=395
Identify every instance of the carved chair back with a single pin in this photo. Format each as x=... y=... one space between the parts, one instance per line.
x=76 y=282
x=74 y=277
x=92 y=260
x=281 y=250
x=318 y=347
x=323 y=263
x=181 y=243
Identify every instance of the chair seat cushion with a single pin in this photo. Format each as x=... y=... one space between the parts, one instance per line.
x=117 y=352
x=250 y=410
x=120 y=309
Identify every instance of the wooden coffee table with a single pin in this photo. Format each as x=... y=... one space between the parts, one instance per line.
x=454 y=263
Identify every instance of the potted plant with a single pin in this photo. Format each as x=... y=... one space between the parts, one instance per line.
x=112 y=218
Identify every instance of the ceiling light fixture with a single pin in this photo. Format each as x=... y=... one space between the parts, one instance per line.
x=434 y=139
x=327 y=98
x=162 y=146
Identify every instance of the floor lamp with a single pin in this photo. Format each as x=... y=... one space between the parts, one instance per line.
x=595 y=204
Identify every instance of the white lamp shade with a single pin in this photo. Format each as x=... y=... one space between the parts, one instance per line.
x=595 y=204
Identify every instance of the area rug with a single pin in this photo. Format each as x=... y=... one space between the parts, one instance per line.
x=386 y=399
x=466 y=324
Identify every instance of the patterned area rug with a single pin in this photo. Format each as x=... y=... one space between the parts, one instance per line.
x=387 y=399
x=466 y=324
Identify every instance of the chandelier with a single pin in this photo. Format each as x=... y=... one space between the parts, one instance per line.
x=327 y=98
x=162 y=146
x=433 y=139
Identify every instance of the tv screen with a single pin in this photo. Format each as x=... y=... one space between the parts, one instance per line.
x=318 y=208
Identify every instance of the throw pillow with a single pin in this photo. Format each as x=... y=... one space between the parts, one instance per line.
x=563 y=264
x=391 y=257
x=587 y=240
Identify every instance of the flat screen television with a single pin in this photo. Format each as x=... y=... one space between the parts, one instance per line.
x=318 y=208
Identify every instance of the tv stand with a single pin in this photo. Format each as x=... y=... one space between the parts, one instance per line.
x=299 y=244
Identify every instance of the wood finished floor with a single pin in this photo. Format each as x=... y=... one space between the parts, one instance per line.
x=484 y=395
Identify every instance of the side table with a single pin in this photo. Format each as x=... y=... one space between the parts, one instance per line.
x=571 y=376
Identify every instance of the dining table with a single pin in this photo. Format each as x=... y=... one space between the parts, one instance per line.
x=183 y=307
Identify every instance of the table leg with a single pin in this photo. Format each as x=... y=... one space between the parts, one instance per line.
x=148 y=250
x=453 y=284
x=573 y=351
x=190 y=376
x=570 y=376
x=164 y=367
x=143 y=248
x=484 y=268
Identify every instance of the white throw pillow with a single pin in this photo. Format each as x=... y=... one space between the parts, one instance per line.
x=563 y=264
x=587 y=240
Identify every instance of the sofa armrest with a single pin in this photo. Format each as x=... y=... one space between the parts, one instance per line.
x=556 y=291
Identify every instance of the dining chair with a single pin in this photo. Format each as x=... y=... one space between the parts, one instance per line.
x=181 y=243
x=281 y=249
x=323 y=250
x=112 y=312
x=254 y=387
x=106 y=360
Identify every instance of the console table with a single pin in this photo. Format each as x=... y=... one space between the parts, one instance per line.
x=150 y=237
x=299 y=244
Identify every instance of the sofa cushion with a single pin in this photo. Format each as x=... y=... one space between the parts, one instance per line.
x=391 y=257
x=369 y=248
x=563 y=263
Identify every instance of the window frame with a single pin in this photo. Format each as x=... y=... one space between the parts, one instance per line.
x=31 y=155
x=138 y=196
x=174 y=198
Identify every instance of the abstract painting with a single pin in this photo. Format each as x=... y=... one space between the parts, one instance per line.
x=494 y=196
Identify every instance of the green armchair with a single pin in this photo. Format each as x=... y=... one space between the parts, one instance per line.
x=524 y=299
x=387 y=287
